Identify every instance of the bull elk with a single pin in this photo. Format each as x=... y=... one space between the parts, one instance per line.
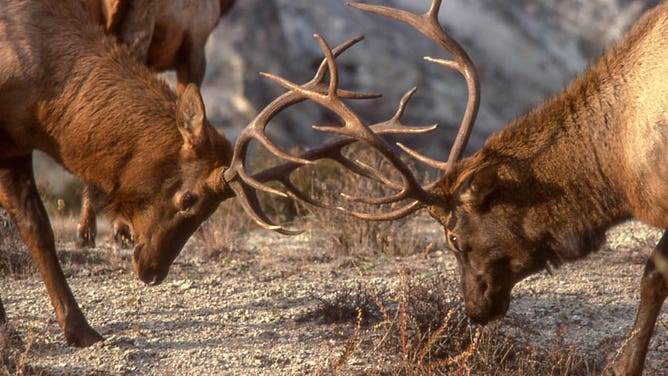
x=165 y=35
x=68 y=89
x=544 y=189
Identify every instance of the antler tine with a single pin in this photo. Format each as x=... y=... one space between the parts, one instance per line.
x=331 y=150
x=428 y=25
x=405 y=210
x=251 y=205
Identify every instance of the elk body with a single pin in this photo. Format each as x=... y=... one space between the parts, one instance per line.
x=544 y=190
x=165 y=35
x=71 y=91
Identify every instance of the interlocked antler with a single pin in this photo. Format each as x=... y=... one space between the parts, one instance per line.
x=236 y=177
x=428 y=25
x=245 y=186
x=354 y=128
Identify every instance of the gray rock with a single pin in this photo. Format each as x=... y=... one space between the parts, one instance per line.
x=525 y=50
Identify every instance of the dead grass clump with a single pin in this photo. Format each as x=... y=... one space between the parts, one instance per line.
x=424 y=330
x=439 y=339
x=14 y=258
x=358 y=303
x=14 y=354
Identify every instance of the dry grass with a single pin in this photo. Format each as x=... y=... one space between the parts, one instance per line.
x=14 y=259
x=14 y=354
x=422 y=330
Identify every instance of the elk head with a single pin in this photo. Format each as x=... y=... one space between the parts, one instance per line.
x=164 y=195
x=499 y=231
x=190 y=184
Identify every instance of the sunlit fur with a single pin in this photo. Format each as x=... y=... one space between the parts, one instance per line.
x=544 y=189
x=73 y=92
x=165 y=35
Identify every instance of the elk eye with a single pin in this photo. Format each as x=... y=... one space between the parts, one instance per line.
x=187 y=201
x=454 y=242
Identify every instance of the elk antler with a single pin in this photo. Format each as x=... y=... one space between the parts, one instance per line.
x=236 y=177
x=354 y=129
x=245 y=186
x=428 y=25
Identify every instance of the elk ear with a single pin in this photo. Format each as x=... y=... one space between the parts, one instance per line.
x=190 y=117
x=113 y=13
x=477 y=187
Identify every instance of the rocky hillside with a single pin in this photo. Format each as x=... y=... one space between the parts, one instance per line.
x=525 y=50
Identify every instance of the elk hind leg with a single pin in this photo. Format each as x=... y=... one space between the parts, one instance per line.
x=87 y=226
x=653 y=292
x=19 y=196
x=122 y=235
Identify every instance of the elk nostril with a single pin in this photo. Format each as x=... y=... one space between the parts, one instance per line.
x=137 y=252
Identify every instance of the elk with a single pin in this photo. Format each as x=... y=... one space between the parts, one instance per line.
x=544 y=189
x=167 y=35
x=71 y=91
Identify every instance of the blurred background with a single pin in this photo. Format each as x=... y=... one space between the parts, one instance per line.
x=525 y=50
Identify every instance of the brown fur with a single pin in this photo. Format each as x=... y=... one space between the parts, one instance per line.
x=71 y=91
x=546 y=188
x=165 y=35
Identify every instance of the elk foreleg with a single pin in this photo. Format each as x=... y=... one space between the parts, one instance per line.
x=122 y=235
x=653 y=291
x=19 y=196
x=87 y=226
x=3 y=315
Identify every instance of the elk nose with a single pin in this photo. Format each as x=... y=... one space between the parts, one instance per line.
x=151 y=277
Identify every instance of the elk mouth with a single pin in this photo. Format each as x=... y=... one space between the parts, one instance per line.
x=151 y=276
x=497 y=311
x=490 y=309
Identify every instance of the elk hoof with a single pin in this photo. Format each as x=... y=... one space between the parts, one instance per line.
x=86 y=238
x=82 y=336
x=123 y=236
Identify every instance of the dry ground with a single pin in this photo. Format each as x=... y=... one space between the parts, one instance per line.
x=263 y=307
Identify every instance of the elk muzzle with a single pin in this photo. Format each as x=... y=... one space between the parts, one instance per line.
x=485 y=299
x=151 y=275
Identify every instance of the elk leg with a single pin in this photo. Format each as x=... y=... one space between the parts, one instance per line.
x=19 y=196
x=3 y=315
x=87 y=227
x=122 y=235
x=192 y=70
x=653 y=291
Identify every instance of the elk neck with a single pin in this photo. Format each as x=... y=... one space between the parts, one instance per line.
x=105 y=115
x=572 y=167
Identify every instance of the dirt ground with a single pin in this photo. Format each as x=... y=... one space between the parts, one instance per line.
x=243 y=313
